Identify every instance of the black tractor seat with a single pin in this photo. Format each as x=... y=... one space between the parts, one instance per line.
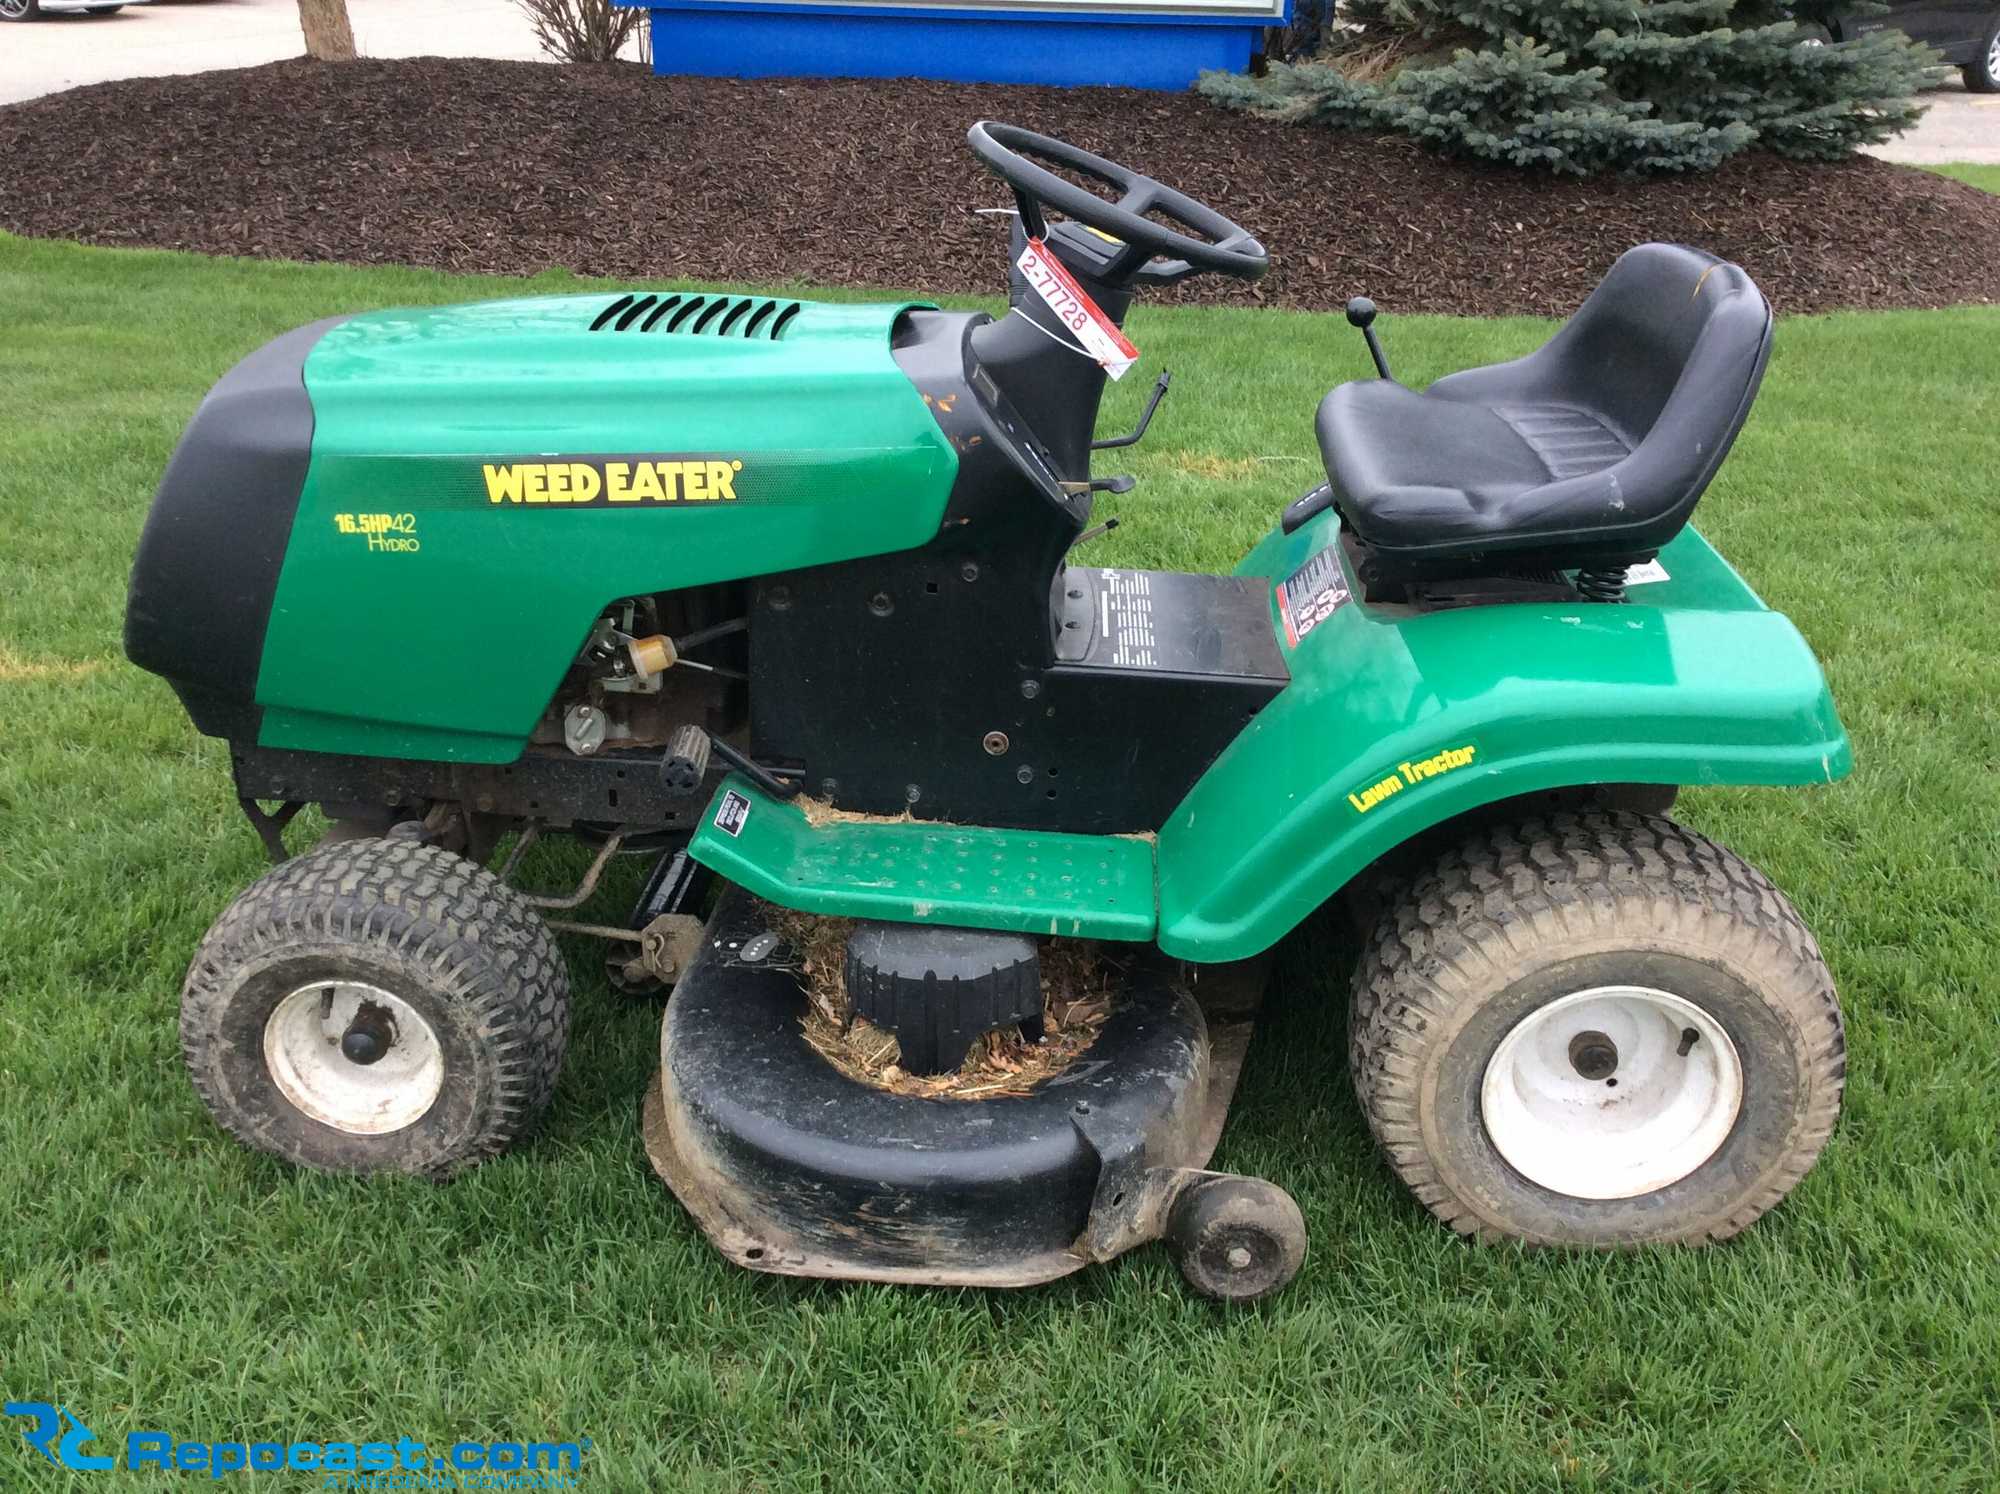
x=1589 y=453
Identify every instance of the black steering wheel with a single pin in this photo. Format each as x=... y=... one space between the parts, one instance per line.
x=1140 y=250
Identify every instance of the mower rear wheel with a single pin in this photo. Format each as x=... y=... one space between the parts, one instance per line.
x=1236 y=1239
x=376 y=1006
x=1596 y=1029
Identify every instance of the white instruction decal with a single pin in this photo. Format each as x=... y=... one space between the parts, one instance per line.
x=1125 y=621
x=731 y=813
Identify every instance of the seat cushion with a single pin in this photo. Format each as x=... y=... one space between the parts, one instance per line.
x=1591 y=450
x=1419 y=471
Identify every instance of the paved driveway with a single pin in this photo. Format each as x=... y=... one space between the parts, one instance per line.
x=1960 y=126
x=191 y=36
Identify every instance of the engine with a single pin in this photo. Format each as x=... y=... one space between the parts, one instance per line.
x=653 y=664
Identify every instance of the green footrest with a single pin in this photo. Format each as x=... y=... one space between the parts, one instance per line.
x=907 y=871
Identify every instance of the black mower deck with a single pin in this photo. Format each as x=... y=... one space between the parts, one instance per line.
x=790 y=1166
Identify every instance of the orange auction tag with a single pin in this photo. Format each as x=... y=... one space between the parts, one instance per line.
x=1073 y=307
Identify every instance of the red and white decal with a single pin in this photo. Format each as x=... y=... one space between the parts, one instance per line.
x=1073 y=307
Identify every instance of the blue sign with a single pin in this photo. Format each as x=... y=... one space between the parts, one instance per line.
x=1163 y=44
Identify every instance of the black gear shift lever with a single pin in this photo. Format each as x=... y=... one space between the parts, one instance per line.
x=1361 y=313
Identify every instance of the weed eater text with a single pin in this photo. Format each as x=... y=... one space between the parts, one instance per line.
x=690 y=480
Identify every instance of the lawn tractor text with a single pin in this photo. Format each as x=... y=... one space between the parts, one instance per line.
x=1409 y=775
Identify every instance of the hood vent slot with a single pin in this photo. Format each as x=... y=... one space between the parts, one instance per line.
x=746 y=318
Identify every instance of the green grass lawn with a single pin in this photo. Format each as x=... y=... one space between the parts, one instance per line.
x=154 y=1276
x=1986 y=178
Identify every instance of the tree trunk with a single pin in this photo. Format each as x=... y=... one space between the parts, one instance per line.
x=329 y=36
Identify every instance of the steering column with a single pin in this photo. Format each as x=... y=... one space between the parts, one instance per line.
x=1149 y=235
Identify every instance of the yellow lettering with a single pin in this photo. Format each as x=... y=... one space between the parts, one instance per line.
x=586 y=482
x=1430 y=767
x=1375 y=793
x=503 y=483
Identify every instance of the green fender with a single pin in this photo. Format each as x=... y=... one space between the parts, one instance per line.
x=1397 y=720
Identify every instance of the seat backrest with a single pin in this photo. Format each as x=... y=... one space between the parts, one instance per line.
x=1666 y=321
x=1668 y=352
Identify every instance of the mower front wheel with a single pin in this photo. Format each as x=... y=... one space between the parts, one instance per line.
x=1596 y=1029
x=376 y=1006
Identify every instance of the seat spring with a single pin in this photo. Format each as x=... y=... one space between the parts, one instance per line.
x=1607 y=585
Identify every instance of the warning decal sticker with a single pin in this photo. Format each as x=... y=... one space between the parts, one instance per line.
x=731 y=813
x=1312 y=594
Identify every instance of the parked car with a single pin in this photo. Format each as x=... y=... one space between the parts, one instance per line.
x=1967 y=32
x=34 y=10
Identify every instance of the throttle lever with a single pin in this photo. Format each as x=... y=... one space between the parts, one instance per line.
x=1145 y=418
x=1123 y=482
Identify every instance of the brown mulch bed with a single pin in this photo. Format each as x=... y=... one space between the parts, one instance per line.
x=475 y=165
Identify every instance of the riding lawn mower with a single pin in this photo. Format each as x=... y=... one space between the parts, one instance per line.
x=785 y=596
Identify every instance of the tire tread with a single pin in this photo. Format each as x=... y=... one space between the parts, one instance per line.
x=446 y=914
x=1491 y=901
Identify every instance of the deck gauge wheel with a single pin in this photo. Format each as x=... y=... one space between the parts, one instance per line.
x=1236 y=1239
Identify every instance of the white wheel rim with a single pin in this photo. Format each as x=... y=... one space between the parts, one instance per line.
x=302 y=1051
x=1993 y=57
x=1561 y=1119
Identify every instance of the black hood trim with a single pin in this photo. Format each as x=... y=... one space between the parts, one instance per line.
x=206 y=573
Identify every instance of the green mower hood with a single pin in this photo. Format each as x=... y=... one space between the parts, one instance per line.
x=390 y=534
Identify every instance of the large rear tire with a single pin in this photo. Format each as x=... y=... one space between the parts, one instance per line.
x=20 y=10
x=1596 y=1029
x=377 y=1006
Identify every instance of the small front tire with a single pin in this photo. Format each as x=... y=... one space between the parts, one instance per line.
x=1597 y=1029
x=376 y=1006
x=20 y=10
x=1236 y=1239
